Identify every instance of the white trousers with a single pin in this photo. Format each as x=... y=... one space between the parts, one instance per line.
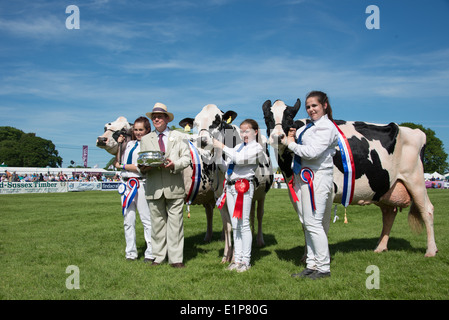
x=241 y=228
x=129 y=223
x=316 y=223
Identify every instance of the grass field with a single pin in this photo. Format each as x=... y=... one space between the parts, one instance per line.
x=41 y=235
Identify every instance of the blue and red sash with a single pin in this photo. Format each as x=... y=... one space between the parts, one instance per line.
x=348 y=166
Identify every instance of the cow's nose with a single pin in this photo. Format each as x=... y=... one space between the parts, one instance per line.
x=203 y=142
x=101 y=141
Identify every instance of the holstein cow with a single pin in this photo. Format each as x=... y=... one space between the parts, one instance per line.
x=212 y=122
x=196 y=177
x=388 y=168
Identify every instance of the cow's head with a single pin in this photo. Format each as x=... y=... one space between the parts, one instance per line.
x=210 y=123
x=279 y=119
x=112 y=131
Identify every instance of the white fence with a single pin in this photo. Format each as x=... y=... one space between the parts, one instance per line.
x=49 y=187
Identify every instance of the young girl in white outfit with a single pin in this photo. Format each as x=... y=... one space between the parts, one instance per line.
x=130 y=170
x=314 y=146
x=241 y=162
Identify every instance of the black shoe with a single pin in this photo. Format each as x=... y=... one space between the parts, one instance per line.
x=304 y=273
x=319 y=275
x=148 y=260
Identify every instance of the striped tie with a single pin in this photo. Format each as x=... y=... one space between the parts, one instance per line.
x=161 y=142
x=130 y=155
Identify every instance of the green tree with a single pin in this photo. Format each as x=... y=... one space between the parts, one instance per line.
x=435 y=158
x=20 y=149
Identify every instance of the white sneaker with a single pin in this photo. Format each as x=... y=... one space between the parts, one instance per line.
x=243 y=267
x=232 y=266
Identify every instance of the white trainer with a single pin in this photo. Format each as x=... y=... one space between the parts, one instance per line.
x=243 y=267
x=232 y=266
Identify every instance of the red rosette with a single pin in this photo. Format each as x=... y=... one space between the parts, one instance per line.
x=241 y=186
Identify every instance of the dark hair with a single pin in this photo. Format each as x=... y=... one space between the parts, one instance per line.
x=146 y=125
x=254 y=125
x=322 y=99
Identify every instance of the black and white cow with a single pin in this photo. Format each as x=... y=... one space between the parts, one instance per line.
x=388 y=167
x=212 y=122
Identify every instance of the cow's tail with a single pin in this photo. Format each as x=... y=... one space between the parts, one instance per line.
x=415 y=220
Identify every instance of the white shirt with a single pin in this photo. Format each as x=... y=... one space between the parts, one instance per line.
x=129 y=146
x=318 y=144
x=246 y=160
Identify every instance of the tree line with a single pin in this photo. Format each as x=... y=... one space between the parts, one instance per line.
x=20 y=149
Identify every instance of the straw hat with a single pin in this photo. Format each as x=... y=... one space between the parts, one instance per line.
x=161 y=108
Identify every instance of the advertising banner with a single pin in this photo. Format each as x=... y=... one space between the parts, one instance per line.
x=32 y=187
x=49 y=187
x=84 y=186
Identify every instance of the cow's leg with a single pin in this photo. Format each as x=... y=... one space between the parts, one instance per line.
x=388 y=216
x=259 y=205
x=209 y=217
x=260 y=212
x=421 y=210
x=417 y=216
x=228 y=254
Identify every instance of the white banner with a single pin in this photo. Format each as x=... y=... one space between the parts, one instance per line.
x=47 y=187
x=32 y=187
x=84 y=186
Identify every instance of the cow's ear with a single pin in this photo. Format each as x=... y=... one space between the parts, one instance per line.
x=186 y=121
x=229 y=116
x=266 y=108
x=292 y=111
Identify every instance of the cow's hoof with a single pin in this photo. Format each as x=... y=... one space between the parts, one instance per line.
x=380 y=250
x=207 y=238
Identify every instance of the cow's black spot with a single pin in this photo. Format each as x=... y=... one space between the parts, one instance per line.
x=378 y=177
x=387 y=135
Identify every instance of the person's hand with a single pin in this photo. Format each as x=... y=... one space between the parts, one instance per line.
x=291 y=137
x=121 y=138
x=144 y=169
x=218 y=144
x=168 y=164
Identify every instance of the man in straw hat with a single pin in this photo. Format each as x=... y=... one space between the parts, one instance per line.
x=165 y=188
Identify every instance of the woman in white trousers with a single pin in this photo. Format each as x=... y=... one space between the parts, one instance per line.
x=139 y=203
x=314 y=146
x=241 y=163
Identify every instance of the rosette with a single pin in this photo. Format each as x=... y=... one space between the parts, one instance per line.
x=129 y=194
x=306 y=175
x=241 y=186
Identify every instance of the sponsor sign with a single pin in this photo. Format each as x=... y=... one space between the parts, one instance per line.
x=55 y=186
x=32 y=187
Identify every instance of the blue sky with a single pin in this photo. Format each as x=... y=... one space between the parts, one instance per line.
x=65 y=84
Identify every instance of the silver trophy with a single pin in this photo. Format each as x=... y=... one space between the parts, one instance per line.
x=151 y=158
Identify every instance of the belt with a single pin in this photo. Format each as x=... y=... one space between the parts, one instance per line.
x=231 y=183
x=138 y=178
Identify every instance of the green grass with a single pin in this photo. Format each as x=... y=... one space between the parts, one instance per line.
x=42 y=234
